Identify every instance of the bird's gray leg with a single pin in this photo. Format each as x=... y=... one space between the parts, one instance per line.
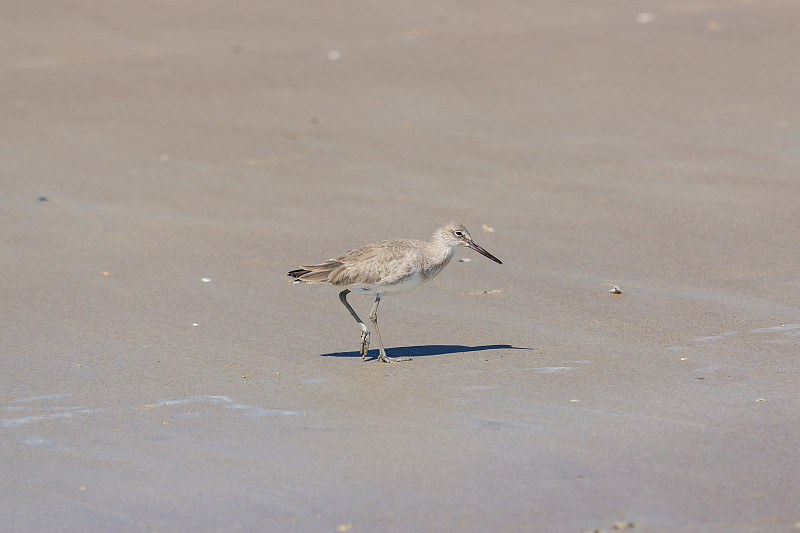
x=373 y=316
x=364 y=330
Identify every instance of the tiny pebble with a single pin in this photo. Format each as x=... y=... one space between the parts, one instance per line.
x=43 y=198
x=465 y=260
x=615 y=290
x=684 y=358
x=487 y=229
x=622 y=524
x=761 y=400
x=344 y=527
x=205 y=280
x=105 y=273
x=195 y=324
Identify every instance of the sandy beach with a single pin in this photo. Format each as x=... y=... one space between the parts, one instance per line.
x=164 y=164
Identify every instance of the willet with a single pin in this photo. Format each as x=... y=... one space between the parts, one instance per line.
x=388 y=267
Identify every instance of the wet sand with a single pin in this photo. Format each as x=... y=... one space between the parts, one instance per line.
x=147 y=147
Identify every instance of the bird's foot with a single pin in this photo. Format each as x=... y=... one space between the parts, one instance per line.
x=364 y=344
x=383 y=358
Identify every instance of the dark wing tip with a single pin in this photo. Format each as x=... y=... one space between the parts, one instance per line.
x=297 y=273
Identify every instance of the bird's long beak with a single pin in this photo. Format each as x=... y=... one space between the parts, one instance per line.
x=483 y=252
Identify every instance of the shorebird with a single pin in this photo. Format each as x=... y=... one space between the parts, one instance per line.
x=385 y=267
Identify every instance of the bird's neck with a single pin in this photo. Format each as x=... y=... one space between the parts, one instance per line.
x=437 y=258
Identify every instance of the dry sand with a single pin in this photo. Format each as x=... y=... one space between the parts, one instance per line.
x=650 y=145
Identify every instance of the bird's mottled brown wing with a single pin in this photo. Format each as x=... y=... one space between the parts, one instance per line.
x=380 y=263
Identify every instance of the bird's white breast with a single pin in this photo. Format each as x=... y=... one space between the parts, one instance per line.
x=405 y=284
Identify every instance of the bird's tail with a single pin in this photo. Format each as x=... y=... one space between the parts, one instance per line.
x=297 y=274
x=315 y=273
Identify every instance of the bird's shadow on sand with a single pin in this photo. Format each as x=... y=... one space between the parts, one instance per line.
x=430 y=349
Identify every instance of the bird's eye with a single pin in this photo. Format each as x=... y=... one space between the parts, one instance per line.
x=459 y=233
